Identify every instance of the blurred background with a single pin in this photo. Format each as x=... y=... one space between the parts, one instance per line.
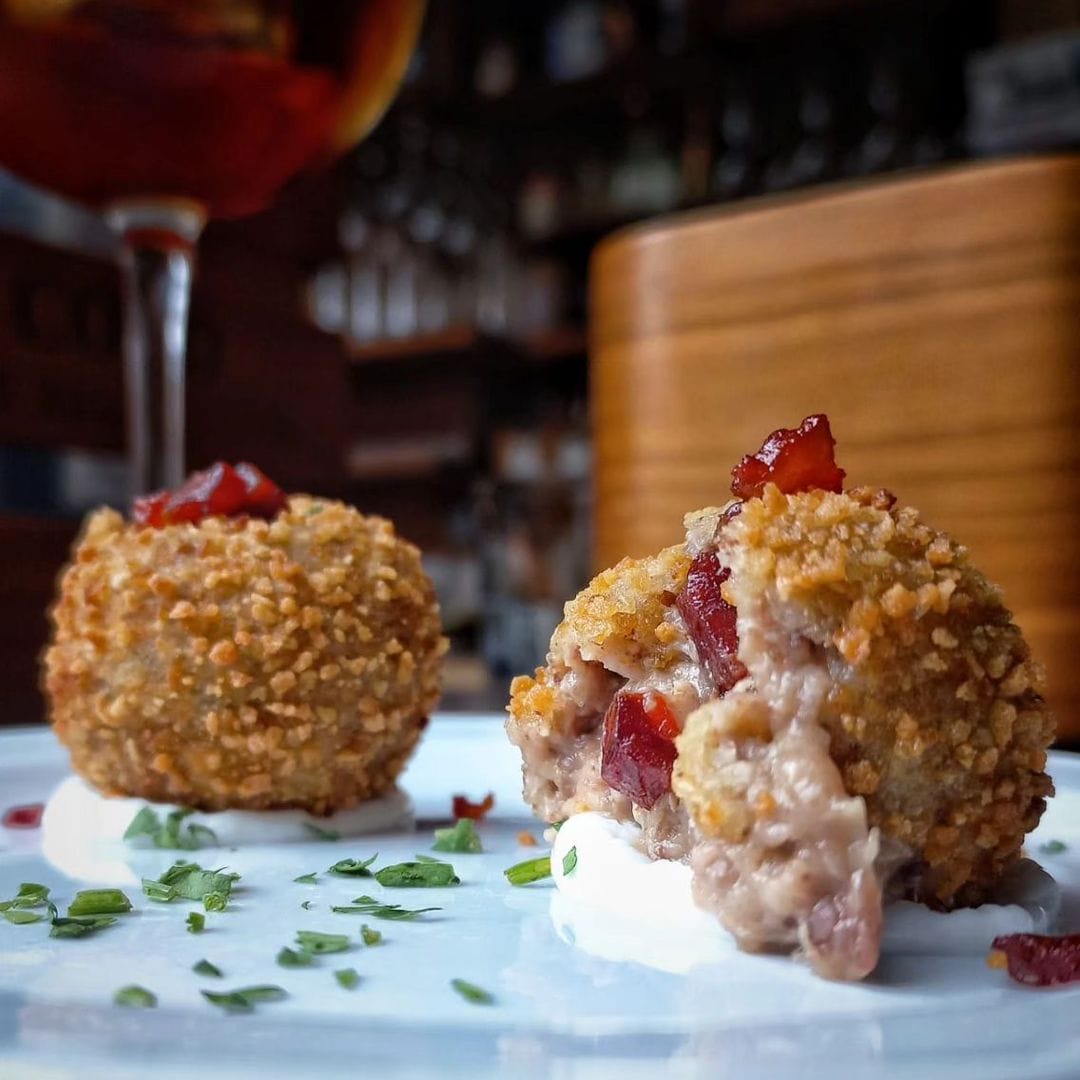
x=408 y=330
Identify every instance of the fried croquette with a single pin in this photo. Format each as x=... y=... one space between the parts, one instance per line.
x=243 y=663
x=883 y=736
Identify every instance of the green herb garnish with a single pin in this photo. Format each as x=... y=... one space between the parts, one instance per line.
x=471 y=992
x=245 y=1000
x=524 y=873
x=287 y=957
x=322 y=834
x=313 y=942
x=99 y=902
x=155 y=890
x=171 y=832
x=79 y=926
x=367 y=905
x=30 y=895
x=215 y=901
x=462 y=838
x=189 y=881
x=20 y=916
x=135 y=997
x=348 y=978
x=569 y=861
x=204 y=967
x=353 y=867
x=370 y=937
x=1053 y=847
x=305 y=879
x=306 y=905
x=196 y=922
x=417 y=875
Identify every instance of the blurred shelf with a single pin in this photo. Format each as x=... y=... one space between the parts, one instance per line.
x=554 y=343
x=452 y=340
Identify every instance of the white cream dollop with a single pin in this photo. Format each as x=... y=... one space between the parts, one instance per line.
x=613 y=877
x=82 y=831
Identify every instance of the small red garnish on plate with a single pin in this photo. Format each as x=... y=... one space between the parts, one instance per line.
x=638 y=749
x=1038 y=959
x=220 y=491
x=526 y=838
x=462 y=807
x=710 y=620
x=27 y=816
x=794 y=460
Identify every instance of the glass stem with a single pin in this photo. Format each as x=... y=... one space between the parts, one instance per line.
x=157 y=262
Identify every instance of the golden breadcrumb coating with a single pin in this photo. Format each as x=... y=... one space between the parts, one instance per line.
x=617 y=622
x=933 y=715
x=241 y=663
x=934 y=711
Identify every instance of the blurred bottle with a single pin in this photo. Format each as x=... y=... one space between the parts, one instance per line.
x=737 y=166
x=575 y=42
x=646 y=180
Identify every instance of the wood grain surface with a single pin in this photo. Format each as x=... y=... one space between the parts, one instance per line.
x=935 y=318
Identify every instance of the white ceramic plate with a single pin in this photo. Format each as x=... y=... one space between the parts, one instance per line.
x=560 y=1010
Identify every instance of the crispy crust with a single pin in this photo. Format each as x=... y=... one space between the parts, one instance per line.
x=614 y=629
x=935 y=714
x=616 y=622
x=243 y=663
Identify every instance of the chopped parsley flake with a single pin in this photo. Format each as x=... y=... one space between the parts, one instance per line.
x=347 y=978
x=461 y=838
x=170 y=832
x=367 y=905
x=189 y=881
x=156 y=890
x=569 y=861
x=427 y=874
x=314 y=942
x=196 y=922
x=30 y=895
x=305 y=879
x=353 y=867
x=1053 y=847
x=287 y=957
x=245 y=1000
x=80 y=926
x=370 y=937
x=20 y=917
x=99 y=902
x=524 y=873
x=322 y=834
x=306 y=905
x=204 y=967
x=135 y=997
x=472 y=993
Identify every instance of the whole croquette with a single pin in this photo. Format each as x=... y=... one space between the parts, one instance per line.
x=816 y=700
x=243 y=663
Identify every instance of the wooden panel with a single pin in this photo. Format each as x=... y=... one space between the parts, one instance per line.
x=934 y=318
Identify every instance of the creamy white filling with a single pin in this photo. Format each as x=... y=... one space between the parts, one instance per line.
x=82 y=831
x=612 y=875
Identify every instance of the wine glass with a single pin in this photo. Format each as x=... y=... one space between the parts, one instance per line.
x=164 y=113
